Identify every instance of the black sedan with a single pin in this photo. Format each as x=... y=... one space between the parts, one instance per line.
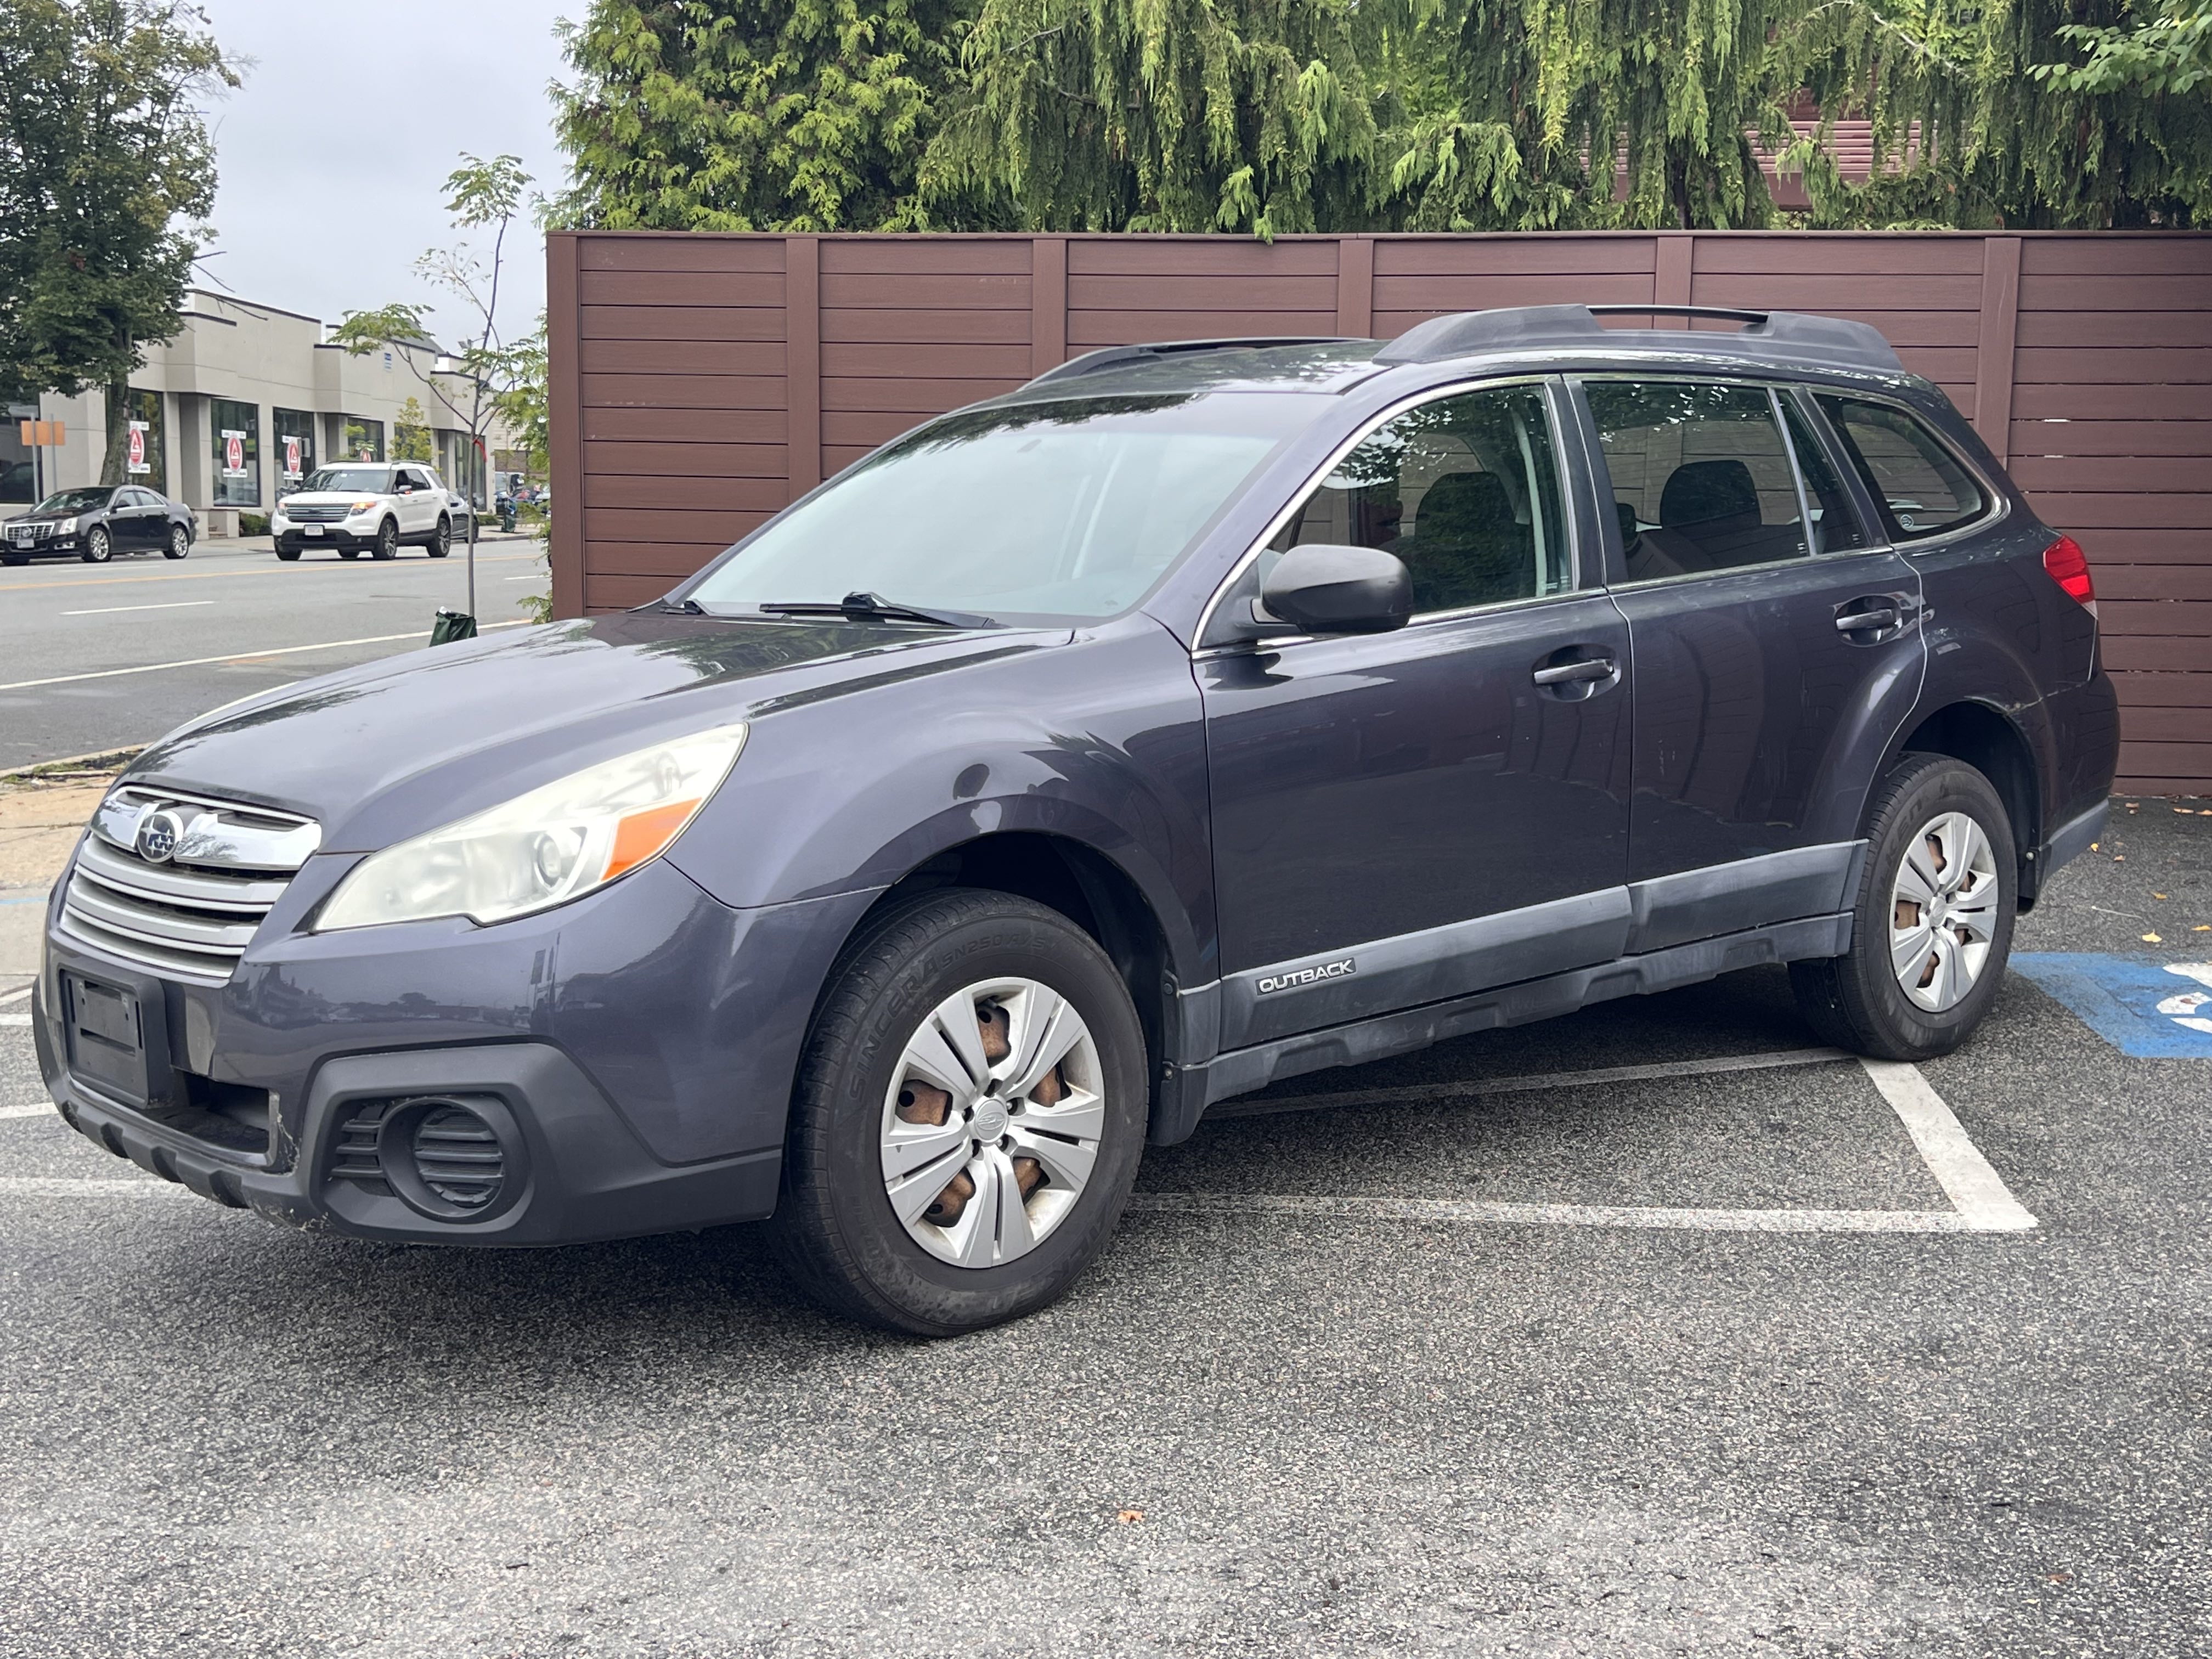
x=96 y=523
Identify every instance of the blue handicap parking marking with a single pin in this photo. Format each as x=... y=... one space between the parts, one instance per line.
x=2147 y=1009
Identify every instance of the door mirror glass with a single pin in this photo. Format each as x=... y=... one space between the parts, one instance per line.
x=1322 y=589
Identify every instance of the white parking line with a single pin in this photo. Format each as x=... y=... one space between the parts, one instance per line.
x=28 y=1111
x=1981 y=1203
x=118 y=610
x=59 y=1187
x=15 y=1019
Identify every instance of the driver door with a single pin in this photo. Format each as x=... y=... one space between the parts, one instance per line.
x=1404 y=818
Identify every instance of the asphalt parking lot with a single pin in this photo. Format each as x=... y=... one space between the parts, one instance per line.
x=1428 y=1360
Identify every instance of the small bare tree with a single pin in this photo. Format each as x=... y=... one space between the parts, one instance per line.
x=479 y=195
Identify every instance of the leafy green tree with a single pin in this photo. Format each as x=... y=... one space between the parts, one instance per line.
x=410 y=433
x=480 y=195
x=794 y=115
x=1985 y=136
x=1160 y=115
x=2170 y=51
x=104 y=150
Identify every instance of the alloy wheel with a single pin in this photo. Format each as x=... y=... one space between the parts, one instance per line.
x=98 y=547
x=992 y=1122
x=1943 y=912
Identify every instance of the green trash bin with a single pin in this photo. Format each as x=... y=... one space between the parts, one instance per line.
x=452 y=625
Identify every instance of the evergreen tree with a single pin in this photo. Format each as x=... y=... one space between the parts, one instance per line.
x=103 y=150
x=1160 y=115
x=796 y=115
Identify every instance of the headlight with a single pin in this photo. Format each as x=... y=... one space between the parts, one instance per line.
x=66 y=527
x=368 y=506
x=543 y=849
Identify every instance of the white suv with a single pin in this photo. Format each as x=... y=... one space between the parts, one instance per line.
x=368 y=506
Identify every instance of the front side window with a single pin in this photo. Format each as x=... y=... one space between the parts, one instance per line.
x=1923 y=488
x=1465 y=490
x=1032 y=513
x=1701 y=476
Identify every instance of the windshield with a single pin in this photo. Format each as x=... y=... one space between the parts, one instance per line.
x=375 y=479
x=74 y=500
x=1044 y=512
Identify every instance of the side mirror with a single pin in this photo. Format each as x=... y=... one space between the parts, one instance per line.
x=1323 y=589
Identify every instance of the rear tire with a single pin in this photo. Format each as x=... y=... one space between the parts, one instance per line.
x=348 y=552
x=836 y=1226
x=1922 y=971
x=180 y=543
x=442 y=542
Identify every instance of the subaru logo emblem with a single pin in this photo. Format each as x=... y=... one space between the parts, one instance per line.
x=159 y=832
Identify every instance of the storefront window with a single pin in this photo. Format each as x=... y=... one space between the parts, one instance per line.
x=292 y=438
x=18 y=476
x=145 y=456
x=364 y=440
x=237 y=429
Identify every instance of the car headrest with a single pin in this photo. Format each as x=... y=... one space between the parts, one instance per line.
x=1698 y=492
x=1465 y=504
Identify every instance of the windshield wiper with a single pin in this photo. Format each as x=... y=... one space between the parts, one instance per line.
x=679 y=607
x=874 y=607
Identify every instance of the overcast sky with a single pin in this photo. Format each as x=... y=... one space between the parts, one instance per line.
x=333 y=153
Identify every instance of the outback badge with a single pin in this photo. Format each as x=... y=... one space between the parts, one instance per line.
x=1342 y=967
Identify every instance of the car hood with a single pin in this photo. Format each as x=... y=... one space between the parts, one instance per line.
x=405 y=743
x=329 y=497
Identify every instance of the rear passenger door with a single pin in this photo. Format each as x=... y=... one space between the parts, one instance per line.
x=1775 y=648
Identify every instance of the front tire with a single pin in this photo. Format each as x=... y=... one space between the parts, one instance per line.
x=180 y=545
x=442 y=542
x=1931 y=923
x=387 y=541
x=99 y=546
x=288 y=555
x=968 y=1120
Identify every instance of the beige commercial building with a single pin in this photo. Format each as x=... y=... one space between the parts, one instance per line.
x=240 y=406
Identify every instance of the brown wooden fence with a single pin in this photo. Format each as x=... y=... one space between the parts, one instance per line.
x=698 y=382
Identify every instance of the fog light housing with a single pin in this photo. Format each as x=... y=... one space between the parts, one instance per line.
x=451 y=1158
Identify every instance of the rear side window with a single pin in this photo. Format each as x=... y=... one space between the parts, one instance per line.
x=1701 y=476
x=1923 y=488
x=1465 y=490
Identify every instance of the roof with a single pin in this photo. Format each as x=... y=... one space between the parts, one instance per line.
x=1777 y=339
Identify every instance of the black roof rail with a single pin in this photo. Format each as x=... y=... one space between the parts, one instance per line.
x=1522 y=327
x=1091 y=362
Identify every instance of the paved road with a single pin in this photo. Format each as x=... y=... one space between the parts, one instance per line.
x=1314 y=1430
x=61 y=622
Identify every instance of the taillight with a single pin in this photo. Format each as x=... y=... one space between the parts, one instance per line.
x=2069 y=568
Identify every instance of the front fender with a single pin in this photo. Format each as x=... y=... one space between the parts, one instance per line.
x=853 y=792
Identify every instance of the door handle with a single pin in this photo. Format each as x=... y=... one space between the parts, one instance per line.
x=1875 y=613
x=1571 y=673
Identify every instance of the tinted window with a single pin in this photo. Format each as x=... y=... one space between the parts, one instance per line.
x=1701 y=477
x=1835 y=523
x=1464 y=489
x=1922 y=490
x=1055 y=511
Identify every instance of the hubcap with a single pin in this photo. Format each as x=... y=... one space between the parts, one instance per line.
x=992 y=1122
x=1943 y=912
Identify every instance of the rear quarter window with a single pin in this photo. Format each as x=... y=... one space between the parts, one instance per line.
x=1922 y=489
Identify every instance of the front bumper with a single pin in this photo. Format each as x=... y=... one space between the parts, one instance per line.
x=333 y=535
x=634 y=1052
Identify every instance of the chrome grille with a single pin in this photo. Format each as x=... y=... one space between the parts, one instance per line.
x=191 y=914
x=24 y=535
x=315 y=512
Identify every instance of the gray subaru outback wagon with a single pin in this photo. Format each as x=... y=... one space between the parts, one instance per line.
x=1197 y=716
